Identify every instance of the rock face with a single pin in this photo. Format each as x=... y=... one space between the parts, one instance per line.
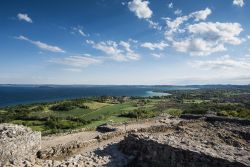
x=212 y=118
x=68 y=149
x=191 y=143
x=18 y=144
x=205 y=142
x=108 y=155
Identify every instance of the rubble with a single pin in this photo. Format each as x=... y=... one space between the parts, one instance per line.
x=191 y=143
x=18 y=145
x=170 y=142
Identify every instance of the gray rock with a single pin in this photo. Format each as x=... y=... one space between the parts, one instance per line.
x=18 y=144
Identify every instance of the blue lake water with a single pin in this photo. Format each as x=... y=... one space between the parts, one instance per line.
x=25 y=94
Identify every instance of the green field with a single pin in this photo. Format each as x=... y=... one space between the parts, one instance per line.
x=61 y=116
x=66 y=115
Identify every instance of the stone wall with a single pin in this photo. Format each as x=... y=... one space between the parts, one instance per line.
x=72 y=147
x=216 y=118
x=64 y=150
x=148 y=152
x=18 y=144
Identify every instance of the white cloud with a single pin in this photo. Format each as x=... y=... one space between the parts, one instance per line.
x=79 y=61
x=154 y=25
x=202 y=38
x=118 y=51
x=110 y=48
x=217 y=32
x=153 y=46
x=142 y=11
x=129 y=52
x=178 y=12
x=197 y=47
x=173 y=26
x=24 y=17
x=140 y=8
x=248 y=37
x=238 y=3
x=156 y=55
x=78 y=30
x=73 y=69
x=41 y=45
x=201 y=15
x=170 y=5
x=224 y=62
x=206 y=38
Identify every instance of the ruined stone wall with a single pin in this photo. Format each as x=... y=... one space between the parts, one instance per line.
x=18 y=144
x=72 y=147
x=149 y=153
x=64 y=150
x=216 y=118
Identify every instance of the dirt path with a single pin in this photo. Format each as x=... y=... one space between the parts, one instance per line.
x=138 y=125
x=50 y=141
x=63 y=139
x=104 y=153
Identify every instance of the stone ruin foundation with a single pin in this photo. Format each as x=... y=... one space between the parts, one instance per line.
x=18 y=145
x=199 y=142
x=195 y=143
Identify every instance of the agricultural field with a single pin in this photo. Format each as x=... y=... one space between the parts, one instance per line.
x=88 y=113
x=74 y=114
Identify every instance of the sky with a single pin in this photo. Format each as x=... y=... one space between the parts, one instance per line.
x=127 y=42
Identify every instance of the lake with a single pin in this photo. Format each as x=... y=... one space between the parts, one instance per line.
x=25 y=94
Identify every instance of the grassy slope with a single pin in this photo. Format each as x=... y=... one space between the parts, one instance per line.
x=104 y=112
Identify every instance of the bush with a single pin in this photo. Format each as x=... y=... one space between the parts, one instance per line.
x=67 y=106
x=62 y=107
x=38 y=108
x=244 y=113
x=139 y=113
x=232 y=113
x=56 y=123
x=222 y=113
x=174 y=112
x=195 y=109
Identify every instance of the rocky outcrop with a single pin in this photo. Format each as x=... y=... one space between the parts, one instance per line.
x=150 y=152
x=191 y=143
x=108 y=155
x=170 y=142
x=72 y=147
x=18 y=145
x=210 y=118
x=64 y=150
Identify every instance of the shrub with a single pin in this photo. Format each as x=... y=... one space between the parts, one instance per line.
x=62 y=107
x=244 y=113
x=174 y=112
x=67 y=106
x=222 y=113
x=56 y=123
x=139 y=113
x=232 y=113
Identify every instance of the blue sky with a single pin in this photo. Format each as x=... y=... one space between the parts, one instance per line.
x=125 y=42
